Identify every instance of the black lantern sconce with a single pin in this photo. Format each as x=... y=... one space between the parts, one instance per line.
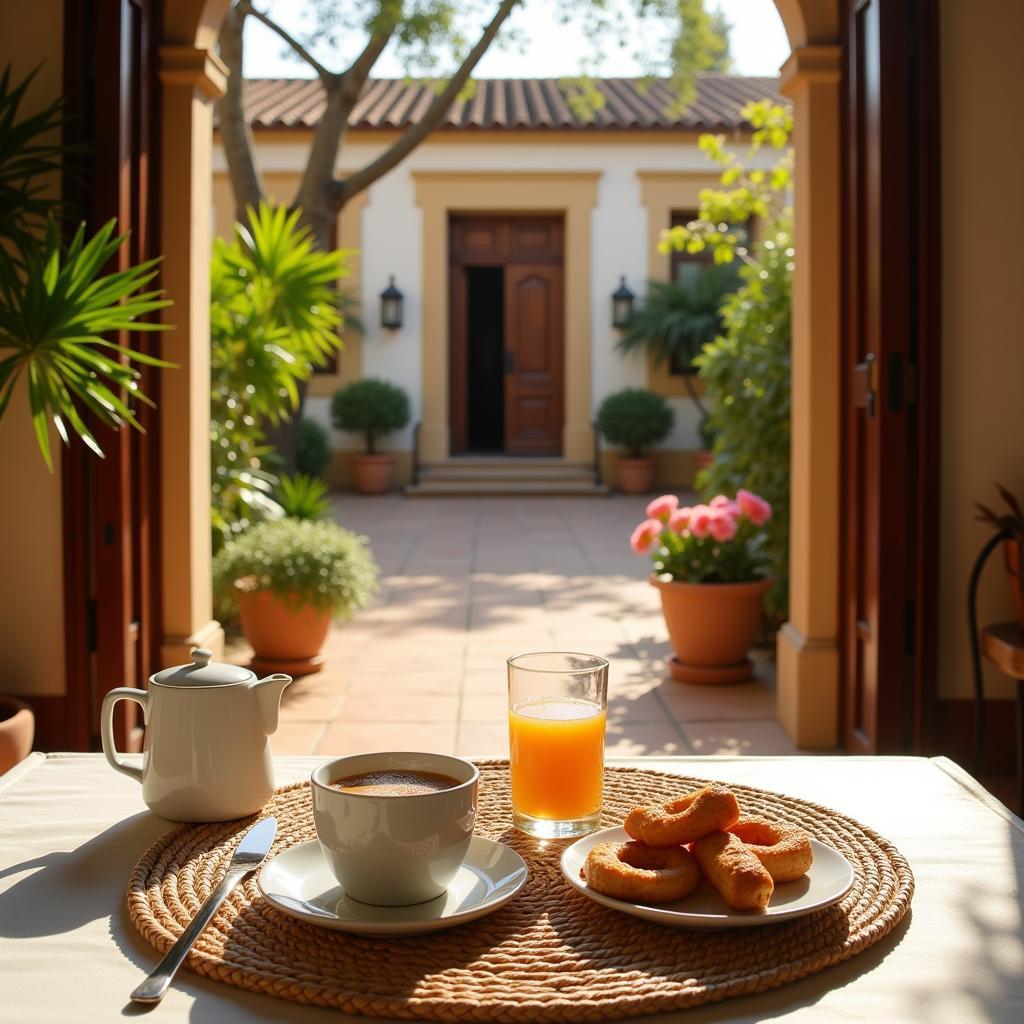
x=391 y=306
x=622 y=305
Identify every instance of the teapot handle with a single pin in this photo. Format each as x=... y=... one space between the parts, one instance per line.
x=107 y=727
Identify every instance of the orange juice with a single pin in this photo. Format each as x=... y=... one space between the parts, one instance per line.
x=557 y=748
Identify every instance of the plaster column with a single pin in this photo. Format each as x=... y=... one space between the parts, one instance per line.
x=192 y=79
x=808 y=644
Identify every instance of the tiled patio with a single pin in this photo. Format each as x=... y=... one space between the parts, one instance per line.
x=468 y=581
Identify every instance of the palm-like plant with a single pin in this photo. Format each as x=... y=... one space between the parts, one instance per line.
x=678 y=318
x=56 y=305
x=276 y=313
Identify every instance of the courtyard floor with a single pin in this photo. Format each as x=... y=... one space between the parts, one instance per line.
x=466 y=582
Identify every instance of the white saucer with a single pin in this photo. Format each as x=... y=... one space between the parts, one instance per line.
x=298 y=882
x=827 y=882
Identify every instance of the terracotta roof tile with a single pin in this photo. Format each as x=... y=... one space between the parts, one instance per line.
x=514 y=103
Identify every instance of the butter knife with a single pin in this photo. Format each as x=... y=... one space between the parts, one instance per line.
x=249 y=855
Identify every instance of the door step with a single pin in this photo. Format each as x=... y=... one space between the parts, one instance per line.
x=506 y=476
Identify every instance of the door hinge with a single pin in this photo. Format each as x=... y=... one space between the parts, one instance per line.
x=91 y=626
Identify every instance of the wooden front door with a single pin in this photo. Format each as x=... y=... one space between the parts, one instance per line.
x=524 y=324
x=891 y=375
x=110 y=504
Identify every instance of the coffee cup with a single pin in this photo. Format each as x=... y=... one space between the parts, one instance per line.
x=394 y=850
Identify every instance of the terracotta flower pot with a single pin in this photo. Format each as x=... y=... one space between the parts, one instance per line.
x=17 y=730
x=712 y=627
x=636 y=476
x=1013 y=559
x=703 y=459
x=285 y=637
x=373 y=473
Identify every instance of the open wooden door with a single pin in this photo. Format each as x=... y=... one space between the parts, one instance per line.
x=533 y=359
x=110 y=504
x=891 y=364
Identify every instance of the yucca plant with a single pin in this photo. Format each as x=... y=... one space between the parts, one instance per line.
x=303 y=497
x=56 y=304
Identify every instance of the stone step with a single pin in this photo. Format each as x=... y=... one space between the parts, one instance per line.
x=511 y=488
x=461 y=469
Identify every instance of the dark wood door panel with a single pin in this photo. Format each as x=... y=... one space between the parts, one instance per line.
x=473 y=239
x=533 y=346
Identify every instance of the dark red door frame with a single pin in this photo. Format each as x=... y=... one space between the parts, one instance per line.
x=892 y=352
x=111 y=585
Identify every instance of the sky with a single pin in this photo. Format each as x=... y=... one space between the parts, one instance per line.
x=549 y=49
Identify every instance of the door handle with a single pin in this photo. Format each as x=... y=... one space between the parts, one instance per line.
x=865 y=385
x=510 y=361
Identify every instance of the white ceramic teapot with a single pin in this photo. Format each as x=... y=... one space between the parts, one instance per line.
x=207 y=747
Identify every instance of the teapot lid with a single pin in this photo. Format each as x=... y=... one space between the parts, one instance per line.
x=203 y=672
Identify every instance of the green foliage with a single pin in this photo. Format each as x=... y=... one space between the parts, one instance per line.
x=56 y=304
x=746 y=371
x=275 y=316
x=313 y=448
x=370 y=407
x=303 y=497
x=308 y=563
x=678 y=318
x=635 y=419
x=30 y=153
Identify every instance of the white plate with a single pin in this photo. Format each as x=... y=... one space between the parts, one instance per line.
x=827 y=882
x=298 y=882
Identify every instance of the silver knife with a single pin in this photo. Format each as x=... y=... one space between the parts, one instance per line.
x=248 y=856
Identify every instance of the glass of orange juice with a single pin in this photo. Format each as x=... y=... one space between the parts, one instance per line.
x=556 y=717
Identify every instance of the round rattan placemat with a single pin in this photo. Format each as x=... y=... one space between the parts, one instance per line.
x=551 y=954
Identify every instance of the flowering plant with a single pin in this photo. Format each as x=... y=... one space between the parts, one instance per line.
x=721 y=542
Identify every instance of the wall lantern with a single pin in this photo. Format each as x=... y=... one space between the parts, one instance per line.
x=622 y=305
x=391 y=306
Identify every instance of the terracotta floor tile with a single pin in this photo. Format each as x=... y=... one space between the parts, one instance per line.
x=765 y=737
x=641 y=740
x=406 y=683
x=387 y=706
x=482 y=739
x=363 y=737
x=487 y=707
x=309 y=707
x=713 y=703
x=298 y=738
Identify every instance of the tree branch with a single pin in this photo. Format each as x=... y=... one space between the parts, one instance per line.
x=246 y=7
x=342 y=191
x=355 y=77
x=235 y=131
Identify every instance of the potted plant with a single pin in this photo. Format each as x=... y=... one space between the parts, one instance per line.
x=372 y=408
x=1011 y=525
x=709 y=568
x=17 y=729
x=289 y=579
x=636 y=419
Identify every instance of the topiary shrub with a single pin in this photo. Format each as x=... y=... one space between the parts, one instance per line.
x=370 y=407
x=636 y=419
x=313 y=448
x=300 y=561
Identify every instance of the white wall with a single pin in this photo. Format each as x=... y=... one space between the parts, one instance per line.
x=392 y=245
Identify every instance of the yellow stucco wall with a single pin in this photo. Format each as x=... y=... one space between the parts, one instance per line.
x=31 y=548
x=983 y=337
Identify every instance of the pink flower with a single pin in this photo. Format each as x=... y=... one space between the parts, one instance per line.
x=721 y=501
x=723 y=525
x=661 y=508
x=645 y=535
x=679 y=520
x=755 y=508
x=700 y=518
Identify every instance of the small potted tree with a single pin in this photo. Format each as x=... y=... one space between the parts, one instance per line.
x=372 y=408
x=288 y=579
x=635 y=419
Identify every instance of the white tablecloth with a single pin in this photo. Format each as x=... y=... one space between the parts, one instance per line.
x=71 y=830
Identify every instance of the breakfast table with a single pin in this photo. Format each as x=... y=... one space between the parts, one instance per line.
x=71 y=832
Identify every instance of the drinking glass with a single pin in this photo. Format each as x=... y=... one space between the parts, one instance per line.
x=556 y=713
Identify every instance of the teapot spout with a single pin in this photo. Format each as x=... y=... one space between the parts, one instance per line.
x=268 y=693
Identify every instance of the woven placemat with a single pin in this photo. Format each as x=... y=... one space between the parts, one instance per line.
x=550 y=954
